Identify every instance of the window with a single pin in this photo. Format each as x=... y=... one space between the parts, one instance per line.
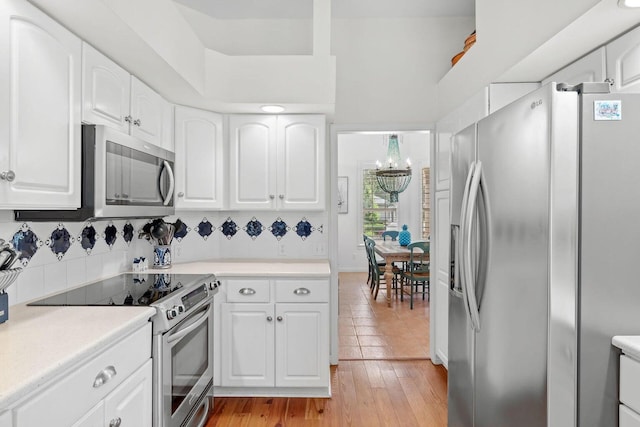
x=377 y=212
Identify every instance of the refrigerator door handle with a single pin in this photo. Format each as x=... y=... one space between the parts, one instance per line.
x=469 y=276
x=459 y=251
x=455 y=287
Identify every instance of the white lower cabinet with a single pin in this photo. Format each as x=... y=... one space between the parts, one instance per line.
x=277 y=340
x=629 y=415
x=113 y=388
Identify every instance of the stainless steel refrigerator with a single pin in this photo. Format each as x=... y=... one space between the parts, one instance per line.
x=545 y=258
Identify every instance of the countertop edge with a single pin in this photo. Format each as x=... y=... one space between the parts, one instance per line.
x=629 y=344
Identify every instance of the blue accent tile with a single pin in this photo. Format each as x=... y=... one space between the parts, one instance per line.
x=27 y=243
x=254 y=228
x=279 y=228
x=181 y=230
x=303 y=228
x=205 y=228
x=127 y=233
x=60 y=241
x=88 y=238
x=229 y=228
x=110 y=235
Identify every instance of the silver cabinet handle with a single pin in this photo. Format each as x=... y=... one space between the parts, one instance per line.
x=137 y=122
x=125 y=196
x=8 y=176
x=247 y=291
x=180 y=194
x=115 y=422
x=269 y=318
x=272 y=196
x=302 y=291
x=117 y=195
x=279 y=318
x=128 y=119
x=104 y=376
x=281 y=196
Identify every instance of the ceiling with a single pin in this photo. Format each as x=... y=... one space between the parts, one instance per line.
x=303 y=9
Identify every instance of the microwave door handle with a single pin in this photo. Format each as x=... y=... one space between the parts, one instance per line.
x=172 y=183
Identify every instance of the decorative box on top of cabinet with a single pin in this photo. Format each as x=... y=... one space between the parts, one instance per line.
x=110 y=389
x=277 y=162
x=275 y=338
x=40 y=95
x=115 y=98
x=199 y=159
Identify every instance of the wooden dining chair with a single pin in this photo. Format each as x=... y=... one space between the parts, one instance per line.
x=392 y=234
x=417 y=273
x=377 y=269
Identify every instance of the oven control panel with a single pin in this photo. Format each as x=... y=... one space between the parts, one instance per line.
x=192 y=299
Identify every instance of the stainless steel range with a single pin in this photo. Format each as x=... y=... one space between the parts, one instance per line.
x=182 y=336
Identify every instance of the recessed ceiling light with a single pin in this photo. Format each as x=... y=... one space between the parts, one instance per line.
x=629 y=3
x=272 y=108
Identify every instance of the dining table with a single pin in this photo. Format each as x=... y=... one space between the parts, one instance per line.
x=392 y=252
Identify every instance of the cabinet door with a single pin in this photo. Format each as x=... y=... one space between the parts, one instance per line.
x=623 y=62
x=301 y=162
x=302 y=345
x=247 y=345
x=168 y=126
x=40 y=87
x=147 y=112
x=93 y=418
x=589 y=68
x=105 y=90
x=131 y=401
x=252 y=154
x=199 y=159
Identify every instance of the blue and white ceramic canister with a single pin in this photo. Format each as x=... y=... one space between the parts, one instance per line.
x=162 y=256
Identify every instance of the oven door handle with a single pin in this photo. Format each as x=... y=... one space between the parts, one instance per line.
x=185 y=330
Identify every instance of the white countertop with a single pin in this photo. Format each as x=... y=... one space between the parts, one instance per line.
x=257 y=268
x=38 y=343
x=629 y=344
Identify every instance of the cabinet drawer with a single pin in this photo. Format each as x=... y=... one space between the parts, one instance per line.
x=630 y=382
x=628 y=418
x=248 y=291
x=302 y=291
x=74 y=393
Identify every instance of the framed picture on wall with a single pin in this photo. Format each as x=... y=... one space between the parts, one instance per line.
x=343 y=194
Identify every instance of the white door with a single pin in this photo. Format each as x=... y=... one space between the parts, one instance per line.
x=301 y=162
x=442 y=267
x=130 y=402
x=93 y=418
x=302 y=345
x=147 y=112
x=105 y=90
x=623 y=62
x=199 y=159
x=252 y=162
x=40 y=87
x=248 y=345
x=589 y=68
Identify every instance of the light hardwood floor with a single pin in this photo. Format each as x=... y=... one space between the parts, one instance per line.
x=374 y=386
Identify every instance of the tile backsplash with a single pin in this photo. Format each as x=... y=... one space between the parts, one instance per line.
x=58 y=256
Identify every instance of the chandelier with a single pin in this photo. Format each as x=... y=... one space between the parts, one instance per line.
x=393 y=180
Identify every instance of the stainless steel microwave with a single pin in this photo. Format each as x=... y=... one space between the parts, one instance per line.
x=122 y=177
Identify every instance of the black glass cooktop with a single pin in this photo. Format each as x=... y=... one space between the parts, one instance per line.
x=132 y=289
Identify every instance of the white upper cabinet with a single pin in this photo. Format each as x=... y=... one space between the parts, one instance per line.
x=589 y=68
x=623 y=62
x=199 y=159
x=115 y=98
x=106 y=90
x=277 y=162
x=40 y=98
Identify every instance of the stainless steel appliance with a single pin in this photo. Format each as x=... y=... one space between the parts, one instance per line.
x=182 y=336
x=122 y=177
x=544 y=194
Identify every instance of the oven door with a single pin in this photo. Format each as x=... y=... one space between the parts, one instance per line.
x=187 y=371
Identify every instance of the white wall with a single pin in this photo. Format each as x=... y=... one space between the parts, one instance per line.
x=388 y=69
x=355 y=151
